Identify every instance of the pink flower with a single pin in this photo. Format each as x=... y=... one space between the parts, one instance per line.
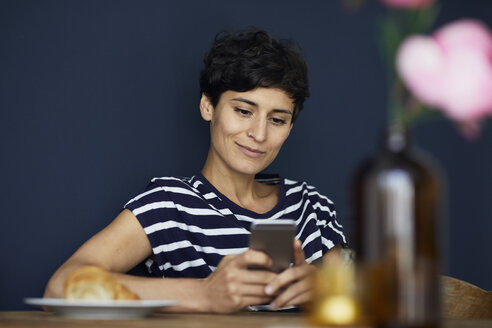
x=408 y=3
x=451 y=70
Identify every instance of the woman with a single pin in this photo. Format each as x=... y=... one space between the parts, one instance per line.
x=194 y=231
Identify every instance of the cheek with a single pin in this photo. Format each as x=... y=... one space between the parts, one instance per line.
x=227 y=127
x=279 y=139
x=221 y=130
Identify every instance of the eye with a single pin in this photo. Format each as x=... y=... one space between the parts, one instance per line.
x=278 y=121
x=242 y=111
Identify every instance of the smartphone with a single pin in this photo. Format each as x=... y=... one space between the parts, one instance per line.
x=276 y=239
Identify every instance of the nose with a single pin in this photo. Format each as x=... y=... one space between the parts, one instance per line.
x=258 y=130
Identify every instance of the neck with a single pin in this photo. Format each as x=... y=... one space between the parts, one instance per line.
x=236 y=186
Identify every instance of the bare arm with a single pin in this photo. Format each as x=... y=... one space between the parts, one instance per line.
x=123 y=244
x=117 y=248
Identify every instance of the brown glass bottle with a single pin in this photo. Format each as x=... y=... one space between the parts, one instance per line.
x=396 y=201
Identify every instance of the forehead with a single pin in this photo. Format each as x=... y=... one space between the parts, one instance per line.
x=262 y=97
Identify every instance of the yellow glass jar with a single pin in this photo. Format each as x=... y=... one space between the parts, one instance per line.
x=335 y=300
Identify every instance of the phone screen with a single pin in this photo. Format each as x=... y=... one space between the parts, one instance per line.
x=275 y=238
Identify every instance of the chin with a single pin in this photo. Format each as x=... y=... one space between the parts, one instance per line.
x=249 y=171
x=248 y=168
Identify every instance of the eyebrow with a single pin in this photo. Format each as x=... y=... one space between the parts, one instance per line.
x=252 y=103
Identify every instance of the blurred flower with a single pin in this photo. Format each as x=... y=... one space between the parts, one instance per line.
x=451 y=70
x=448 y=72
x=408 y=3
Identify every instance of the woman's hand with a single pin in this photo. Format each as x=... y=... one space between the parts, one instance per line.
x=232 y=286
x=293 y=286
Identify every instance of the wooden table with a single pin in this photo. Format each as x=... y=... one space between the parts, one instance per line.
x=21 y=319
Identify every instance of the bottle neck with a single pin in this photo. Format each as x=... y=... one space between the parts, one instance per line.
x=397 y=140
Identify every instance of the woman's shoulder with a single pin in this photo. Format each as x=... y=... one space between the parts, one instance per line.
x=167 y=188
x=192 y=183
x=309 y=198
x=306 y=190
x=171 y=181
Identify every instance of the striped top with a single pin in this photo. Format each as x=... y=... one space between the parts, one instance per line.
x=191 y=225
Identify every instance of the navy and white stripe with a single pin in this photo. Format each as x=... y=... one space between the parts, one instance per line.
x=191 y=225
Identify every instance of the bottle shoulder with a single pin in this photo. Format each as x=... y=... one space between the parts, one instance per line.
x=415 y=164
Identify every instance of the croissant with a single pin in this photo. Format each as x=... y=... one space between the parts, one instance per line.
x=95 y=283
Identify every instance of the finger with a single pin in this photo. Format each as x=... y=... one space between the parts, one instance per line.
x=228 y=258
x=297 y=300
x=299 y=257
x=257 y=276
x=253 y=258
x=293 y=292
x=290 y=276
x=257 y=290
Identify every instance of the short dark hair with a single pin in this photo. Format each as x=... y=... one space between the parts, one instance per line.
x=247 y=59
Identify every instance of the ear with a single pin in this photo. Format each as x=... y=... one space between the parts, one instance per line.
x=206 y=108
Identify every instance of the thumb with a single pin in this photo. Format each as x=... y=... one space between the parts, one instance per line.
x=299 y=257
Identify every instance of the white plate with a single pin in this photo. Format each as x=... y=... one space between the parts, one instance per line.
x=108 y=310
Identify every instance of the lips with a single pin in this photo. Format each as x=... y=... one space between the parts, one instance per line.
x=250 y=152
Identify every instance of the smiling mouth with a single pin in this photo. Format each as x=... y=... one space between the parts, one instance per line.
x=250 y=151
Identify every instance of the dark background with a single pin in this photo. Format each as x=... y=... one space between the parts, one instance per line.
x=97 y=97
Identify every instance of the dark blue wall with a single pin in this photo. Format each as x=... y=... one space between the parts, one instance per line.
x=96 y=97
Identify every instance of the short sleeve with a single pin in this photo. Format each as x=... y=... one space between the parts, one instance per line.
x=316 y=219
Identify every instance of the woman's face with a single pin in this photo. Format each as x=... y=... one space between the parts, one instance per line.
x=248 y=128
